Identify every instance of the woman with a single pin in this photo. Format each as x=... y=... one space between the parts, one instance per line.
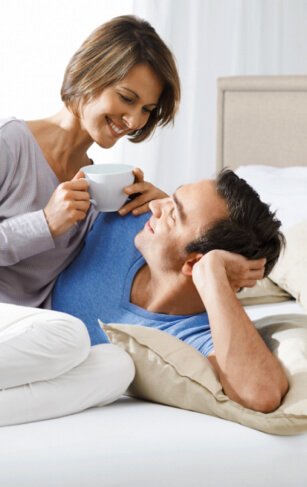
x=121 y=82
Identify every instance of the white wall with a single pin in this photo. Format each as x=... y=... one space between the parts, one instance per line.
x=210 y=38
x=37 y=39
x=214 y=38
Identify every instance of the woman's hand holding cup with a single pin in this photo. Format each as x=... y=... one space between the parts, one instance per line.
x=68 y=204
x=141 y=193
x=111 y=185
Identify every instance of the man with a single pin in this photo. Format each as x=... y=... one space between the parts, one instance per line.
x=178 y=270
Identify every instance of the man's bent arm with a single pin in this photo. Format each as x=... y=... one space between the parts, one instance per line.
x=249 y=373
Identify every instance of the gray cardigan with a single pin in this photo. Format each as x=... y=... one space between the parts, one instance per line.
x=30 y=259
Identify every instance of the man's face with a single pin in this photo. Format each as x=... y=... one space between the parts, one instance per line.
x=178 y=220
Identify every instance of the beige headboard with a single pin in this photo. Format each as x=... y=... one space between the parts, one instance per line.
x=262 y=120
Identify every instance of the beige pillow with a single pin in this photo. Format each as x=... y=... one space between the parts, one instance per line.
x=171 y=372
x=290 y=272
x=265 y=291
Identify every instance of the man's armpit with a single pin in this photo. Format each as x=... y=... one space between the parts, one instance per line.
x=212 y=359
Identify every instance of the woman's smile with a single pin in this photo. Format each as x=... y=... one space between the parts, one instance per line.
x=115 y=129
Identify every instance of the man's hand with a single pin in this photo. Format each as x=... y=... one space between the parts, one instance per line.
x=68 y=204
x=141 y=193
x=240 y=271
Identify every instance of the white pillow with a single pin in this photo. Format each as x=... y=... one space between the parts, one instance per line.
x=285 y=189
x=290 y=272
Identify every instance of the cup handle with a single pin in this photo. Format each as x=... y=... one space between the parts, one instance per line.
x=94 y=203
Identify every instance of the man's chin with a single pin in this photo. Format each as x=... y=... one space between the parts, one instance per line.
x=140 y=237
x=136 y=239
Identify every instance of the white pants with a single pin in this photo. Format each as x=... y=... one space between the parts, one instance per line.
x=48 y=368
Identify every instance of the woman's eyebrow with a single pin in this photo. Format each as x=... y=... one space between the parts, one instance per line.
x=131 y=91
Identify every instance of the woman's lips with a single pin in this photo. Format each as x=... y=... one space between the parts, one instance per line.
x=115 y=129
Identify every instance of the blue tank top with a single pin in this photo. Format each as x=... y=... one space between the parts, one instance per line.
x=97 y=285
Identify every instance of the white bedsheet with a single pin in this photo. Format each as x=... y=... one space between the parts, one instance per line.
x=139 y=444
x=286 y=307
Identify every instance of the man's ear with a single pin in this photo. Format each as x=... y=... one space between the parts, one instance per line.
x=189 y=263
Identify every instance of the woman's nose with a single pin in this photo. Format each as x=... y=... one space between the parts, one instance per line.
x=135 y=120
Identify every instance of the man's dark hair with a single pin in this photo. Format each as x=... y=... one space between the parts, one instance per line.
x=250 y=229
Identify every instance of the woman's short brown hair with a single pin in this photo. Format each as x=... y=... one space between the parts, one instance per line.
x=108 y=54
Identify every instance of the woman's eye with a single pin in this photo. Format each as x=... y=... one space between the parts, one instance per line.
x=126 y=99
x=147 y=110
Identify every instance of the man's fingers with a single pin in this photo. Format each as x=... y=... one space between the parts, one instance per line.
x=258 y=274
x=257 y=264
x=249 y=283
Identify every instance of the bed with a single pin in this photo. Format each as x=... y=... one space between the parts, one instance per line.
x=261 y=120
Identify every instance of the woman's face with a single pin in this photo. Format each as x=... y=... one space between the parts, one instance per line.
x=123 y=107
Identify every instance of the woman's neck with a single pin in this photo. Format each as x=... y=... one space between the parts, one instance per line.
x=63 y=142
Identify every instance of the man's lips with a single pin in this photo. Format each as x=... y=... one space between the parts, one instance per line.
x=149 y=227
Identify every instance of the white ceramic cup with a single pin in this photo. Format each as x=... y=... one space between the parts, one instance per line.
x=107 y=182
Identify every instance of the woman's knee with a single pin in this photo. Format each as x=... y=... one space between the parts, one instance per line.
x=72 y=337
x=112 y=373
x=123 y=366
x=43 y=346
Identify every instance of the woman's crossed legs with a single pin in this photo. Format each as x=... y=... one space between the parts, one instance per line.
x=48 y=368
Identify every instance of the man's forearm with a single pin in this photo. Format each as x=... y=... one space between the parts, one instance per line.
x=249 y=372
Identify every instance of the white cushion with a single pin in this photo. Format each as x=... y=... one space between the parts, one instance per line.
x=290 y=272
x=285 y=189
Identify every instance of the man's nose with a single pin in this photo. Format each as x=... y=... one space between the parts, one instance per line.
x=155 y=208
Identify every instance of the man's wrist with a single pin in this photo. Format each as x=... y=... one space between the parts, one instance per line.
x=209 y=273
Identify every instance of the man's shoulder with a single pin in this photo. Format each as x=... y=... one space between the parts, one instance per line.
x=112 y=234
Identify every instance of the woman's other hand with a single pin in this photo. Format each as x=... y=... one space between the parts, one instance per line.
x=141 y=193
x=68 y=204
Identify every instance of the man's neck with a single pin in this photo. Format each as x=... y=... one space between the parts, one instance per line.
x=166 y=293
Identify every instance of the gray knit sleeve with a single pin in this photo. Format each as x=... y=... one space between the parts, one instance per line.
x=26 y=234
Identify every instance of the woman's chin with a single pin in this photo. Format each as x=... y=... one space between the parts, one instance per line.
x=106 y=144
